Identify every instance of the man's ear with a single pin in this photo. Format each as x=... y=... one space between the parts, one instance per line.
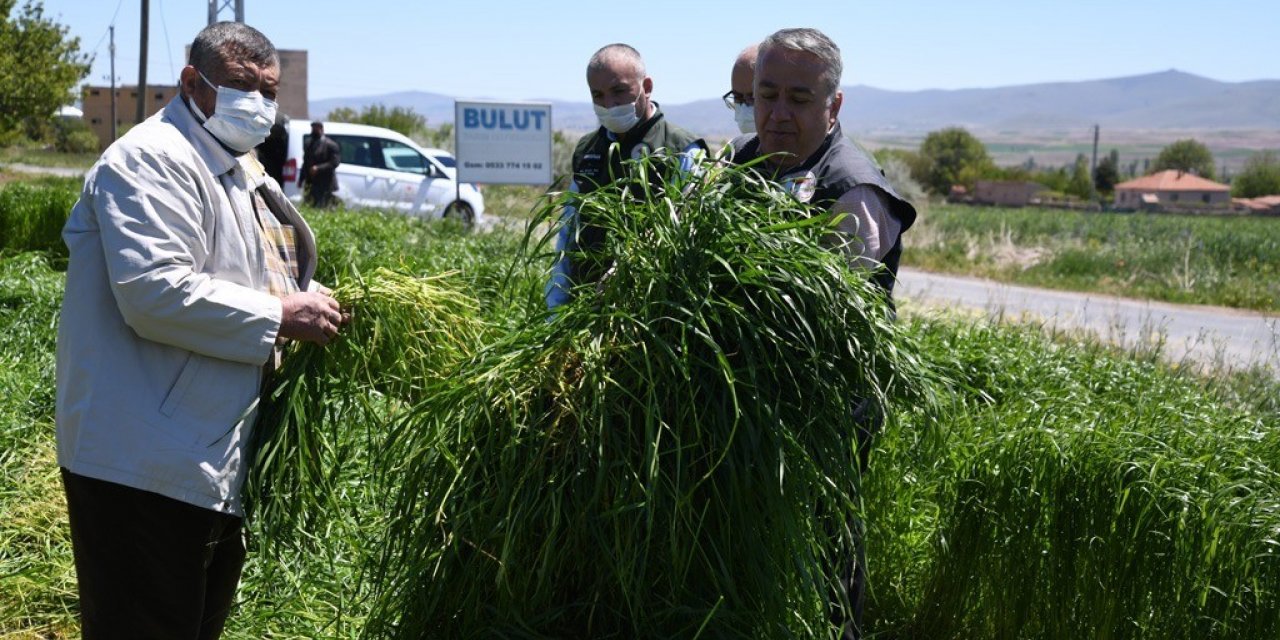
x=834 y=116
x=187 y=80
x=647 y=85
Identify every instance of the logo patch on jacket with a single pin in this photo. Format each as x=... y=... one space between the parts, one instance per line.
x=801 y=187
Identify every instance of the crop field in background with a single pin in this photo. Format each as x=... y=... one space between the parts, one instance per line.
x=1231 y=148
x=1053 y=488
x=1218 y=260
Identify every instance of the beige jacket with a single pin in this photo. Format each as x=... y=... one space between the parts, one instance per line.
x=166 y=323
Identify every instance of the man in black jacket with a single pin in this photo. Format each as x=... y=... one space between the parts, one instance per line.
x=797 y=104
x=319 y=162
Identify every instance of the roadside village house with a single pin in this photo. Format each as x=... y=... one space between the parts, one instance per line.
x=1264 y=206
x=1172 y=189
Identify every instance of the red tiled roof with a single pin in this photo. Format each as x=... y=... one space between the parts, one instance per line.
x=1171 y=180
x=1258 y=204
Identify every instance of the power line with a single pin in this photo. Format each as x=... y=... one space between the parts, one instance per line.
x=164 y=26
x=109 y=26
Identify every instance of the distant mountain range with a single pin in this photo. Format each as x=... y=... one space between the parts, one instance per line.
x=1166 y=100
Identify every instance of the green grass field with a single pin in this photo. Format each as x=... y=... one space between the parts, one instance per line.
x=1052 y=488
x=1228 y=261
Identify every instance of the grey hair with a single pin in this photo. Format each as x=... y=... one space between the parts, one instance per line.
x=601 y=58
x=220 y=42
x=814 y=42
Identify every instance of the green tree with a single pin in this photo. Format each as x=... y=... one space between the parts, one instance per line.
x=39 y=68
x=1260 y=176
x=343 y=114
x=1056 y=179
x=1187 y=155
x=1107 y=174
x=898 y=173
x=562 y=146
x=1080 y=185
x=402 y=119
x=916 y=166
x=952 y=156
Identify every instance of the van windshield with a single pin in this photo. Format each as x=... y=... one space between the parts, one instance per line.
x=402 y=157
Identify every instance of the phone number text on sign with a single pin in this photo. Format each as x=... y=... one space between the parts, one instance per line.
x=503 y=165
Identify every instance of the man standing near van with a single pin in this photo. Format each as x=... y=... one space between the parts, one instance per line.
x=319 y=162
x=187 y=265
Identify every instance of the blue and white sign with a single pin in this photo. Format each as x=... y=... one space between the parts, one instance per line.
x=503 y=142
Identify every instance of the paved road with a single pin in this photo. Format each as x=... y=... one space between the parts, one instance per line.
x=52 y=171
x=1213 y=335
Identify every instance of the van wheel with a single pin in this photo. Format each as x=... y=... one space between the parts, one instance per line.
x=462 y=212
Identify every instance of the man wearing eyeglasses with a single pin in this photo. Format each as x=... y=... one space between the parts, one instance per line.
x=741 y=97
x=187 y=265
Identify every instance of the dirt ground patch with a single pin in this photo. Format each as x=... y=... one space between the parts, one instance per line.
x=7 y=176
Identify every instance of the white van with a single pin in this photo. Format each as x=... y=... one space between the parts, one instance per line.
x=383 y=169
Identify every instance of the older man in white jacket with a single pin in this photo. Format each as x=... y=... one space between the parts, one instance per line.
x=187 y=266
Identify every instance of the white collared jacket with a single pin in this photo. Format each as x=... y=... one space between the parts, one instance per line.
x=166 y=323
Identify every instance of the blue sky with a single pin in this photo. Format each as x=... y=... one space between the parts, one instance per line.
x=511 y=50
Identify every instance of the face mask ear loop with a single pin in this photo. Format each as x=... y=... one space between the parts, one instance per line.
x=206 y=80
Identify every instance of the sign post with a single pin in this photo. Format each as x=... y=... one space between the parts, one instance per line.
x=503 y=142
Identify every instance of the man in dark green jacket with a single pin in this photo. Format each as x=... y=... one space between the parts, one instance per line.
x=631 y=126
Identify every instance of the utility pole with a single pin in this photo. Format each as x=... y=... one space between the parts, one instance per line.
x=1093 y=169
x=112 y=49
x=216 y=7
x=142 y=65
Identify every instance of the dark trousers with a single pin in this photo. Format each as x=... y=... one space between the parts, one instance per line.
x=320 y=189
x=150 y=566
x=869 y=420
x=853 y=580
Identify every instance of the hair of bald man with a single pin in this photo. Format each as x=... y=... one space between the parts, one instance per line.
x=813 y=42
x=610 y=52
x=221 y=42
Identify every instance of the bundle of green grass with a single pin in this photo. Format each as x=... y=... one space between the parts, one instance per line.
x=327 y=408
x=672 y=454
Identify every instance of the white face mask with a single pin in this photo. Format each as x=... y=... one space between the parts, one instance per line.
x=617 y=119
x=745 y=115
x=241 y=119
